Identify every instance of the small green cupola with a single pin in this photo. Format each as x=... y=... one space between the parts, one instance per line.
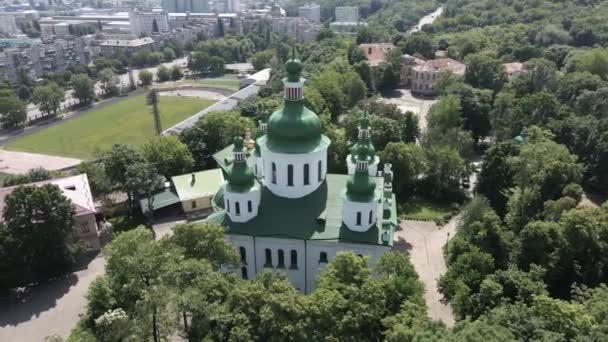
x=293 y=128
x=239 y=175
x=363 y=149
x=361 y=187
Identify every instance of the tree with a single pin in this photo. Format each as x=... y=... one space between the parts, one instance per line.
x=116 y=161
x=163 y=74
x=109 y=81
x=37 y=225
x=31 y=176
x=261 y=59
x=444 y=171
x=408 y=163
x=24 y=93
x=48 y=98
x=168 y=54
x=145 y=77
x=176 y=73
x=142 y=179
x=419 y=43
x=496 y=176
x=205 y=241
x=411 y=131
x=98 y=180
x=390 y=77
x=485 y=71
x=84 y=88
x=12 y=112
x=168 y=155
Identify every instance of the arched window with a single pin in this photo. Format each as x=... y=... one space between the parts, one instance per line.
x=250 y=207
x=358 y=218
x=268 y=261
x=289 y=175
x=228 y=206
x=371 y=214
x=323 y=258
x=274 y=173
x=306 y=174
x=294 y=260
x=244 y=272
x=243 y=254
x=281 y=263
x=237 y=208
x=320 y=170
x=256 y=169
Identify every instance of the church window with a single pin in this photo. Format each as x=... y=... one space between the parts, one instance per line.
x=228 y=206
x=358 y=218
x=237 y=208
x=320 y=170
x=281 y=263
x=256 y=169
x=244 y=272
x=243 y=254
x=274 y=173
x=193 y=204
x=371 y=214
x=323 y=258
x=268 y=261
x=306 y=174
x=294 y=260
x=289 y=175
x=249 y=206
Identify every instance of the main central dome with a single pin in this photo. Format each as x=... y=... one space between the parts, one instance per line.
x=294 y=128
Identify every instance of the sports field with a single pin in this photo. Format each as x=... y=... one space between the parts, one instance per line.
x=128 y=121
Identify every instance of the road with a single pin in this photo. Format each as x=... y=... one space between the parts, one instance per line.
x=424 y=242
x=427 y=19
x=54 y=308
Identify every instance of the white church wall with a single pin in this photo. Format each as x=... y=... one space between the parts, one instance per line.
x=295 y=273
x=243 y=214
x=351 y=209
x=298 y=161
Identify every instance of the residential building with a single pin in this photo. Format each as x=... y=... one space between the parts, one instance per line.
x=7 y=24
x=513 y=69
x=376 y=52
x=347 y=20
x=76 y=189
x=185 y=6
x=299 y=28
x=283 y=212
x=196 y=190
x=347 y=14
x=41 y=59
x=146 y=23
x=407 y=69
x=113 y=48
x=425 y=75
x=311 y=12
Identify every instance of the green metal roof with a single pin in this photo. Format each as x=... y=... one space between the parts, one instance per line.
x=162 y=198
x=293 y=128
x=317 y=216
x=203 y=182
x=224 y=156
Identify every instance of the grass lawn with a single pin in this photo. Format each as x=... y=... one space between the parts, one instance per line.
x=128 y=121
x=3 y=176
x=421 y=209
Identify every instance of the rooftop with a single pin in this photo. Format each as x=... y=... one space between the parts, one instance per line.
x=513 y=67
x=442 y=64
x=376 y=52
x=75 y=188
x=317 y=216
x=126 y=43
x=197 y=184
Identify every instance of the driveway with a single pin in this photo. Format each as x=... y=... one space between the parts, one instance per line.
x=55 y=307
x=408 y=102
x=424 y=242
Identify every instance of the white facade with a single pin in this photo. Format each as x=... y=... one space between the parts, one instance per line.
x=311 y=257
x=347 y=14
x=143 y=22
x=242 y=206
x=359 y=216
x=284 y=174
x=311 y=12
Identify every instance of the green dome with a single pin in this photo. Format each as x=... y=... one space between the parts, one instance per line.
x=360 y=187
x=239 y=175
x=363 y=150
x=293 y=128
x=293 y=67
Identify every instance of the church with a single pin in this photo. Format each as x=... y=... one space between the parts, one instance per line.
x=281 y=209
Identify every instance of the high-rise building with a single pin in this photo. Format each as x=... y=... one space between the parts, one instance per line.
x=183 y=6
x=311 y=12
x=347 y=14
x=144 y=22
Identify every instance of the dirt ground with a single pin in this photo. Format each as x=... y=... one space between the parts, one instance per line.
x=19 y=162
x=203 y=94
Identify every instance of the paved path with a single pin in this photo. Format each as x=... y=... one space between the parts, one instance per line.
x=407 y=102
x=424 y=241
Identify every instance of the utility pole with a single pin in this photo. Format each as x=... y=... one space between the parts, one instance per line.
x=152 y=100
